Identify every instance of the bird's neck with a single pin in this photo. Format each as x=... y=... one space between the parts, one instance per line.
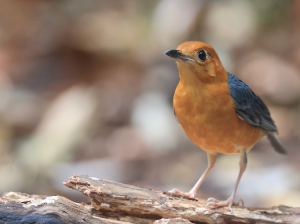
x=206 y=90
x=187 y=77
x=202 y=76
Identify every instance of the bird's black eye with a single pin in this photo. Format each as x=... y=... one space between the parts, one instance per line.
x=202 y=55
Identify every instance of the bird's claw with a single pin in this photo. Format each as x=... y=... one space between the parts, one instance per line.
x=210 y=205
x=212 y=200
x=214 y=203
x=189 y=194
x=174 y=191
x=238 y=203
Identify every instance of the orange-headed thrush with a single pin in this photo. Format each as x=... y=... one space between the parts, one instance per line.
x=218 y=111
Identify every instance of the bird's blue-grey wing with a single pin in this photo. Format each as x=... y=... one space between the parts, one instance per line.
x=249 y=107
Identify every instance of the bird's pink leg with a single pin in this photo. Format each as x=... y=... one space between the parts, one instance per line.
x=214 y=203
x=192 y=193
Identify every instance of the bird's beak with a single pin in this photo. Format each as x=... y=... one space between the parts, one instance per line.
x=177 y=55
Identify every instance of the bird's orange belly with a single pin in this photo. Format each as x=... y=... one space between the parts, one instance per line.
x=215 y=129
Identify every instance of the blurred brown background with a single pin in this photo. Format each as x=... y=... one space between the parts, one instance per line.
x=86 y=89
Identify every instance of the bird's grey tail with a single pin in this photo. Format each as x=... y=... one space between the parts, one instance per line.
x=275 y=142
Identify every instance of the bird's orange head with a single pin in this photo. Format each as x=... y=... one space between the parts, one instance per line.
x=198 y=62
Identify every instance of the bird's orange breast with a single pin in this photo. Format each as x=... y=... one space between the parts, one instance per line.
x=207 y=115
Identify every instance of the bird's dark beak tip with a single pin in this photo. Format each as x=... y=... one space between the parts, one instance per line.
x=173 y=53
x=169 y=53
x=177 y=55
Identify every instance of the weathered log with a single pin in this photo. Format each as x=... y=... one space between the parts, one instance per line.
x=120 y=203
x=135 y=204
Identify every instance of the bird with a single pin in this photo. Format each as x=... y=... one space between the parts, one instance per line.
x=218 y=112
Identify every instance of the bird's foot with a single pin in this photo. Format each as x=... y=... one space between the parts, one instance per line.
x=190 y=194
x=214 y=203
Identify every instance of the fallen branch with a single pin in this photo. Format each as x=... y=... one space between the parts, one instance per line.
x=120 y=203
x=135 y=204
